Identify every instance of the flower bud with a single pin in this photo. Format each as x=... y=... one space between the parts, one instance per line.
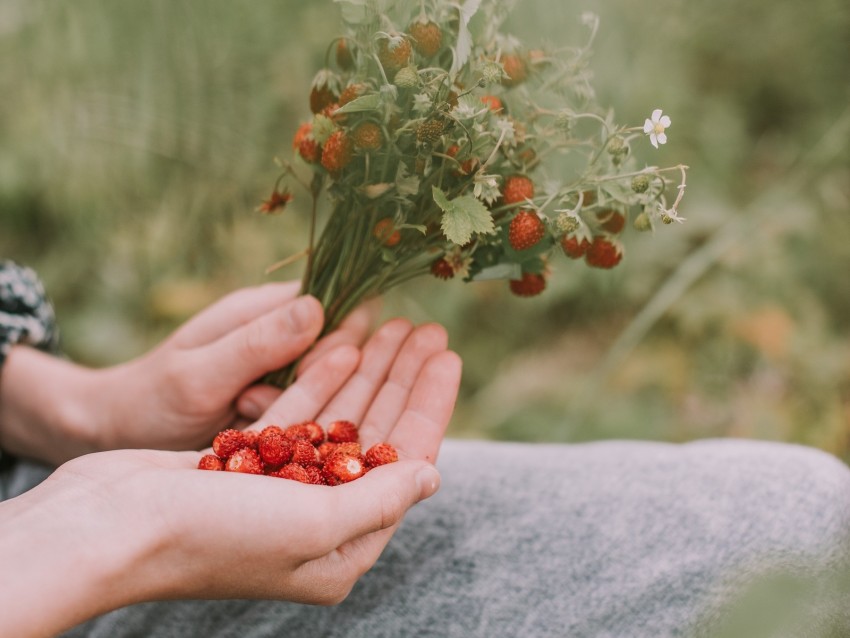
x=642 y=222
x=640 y=183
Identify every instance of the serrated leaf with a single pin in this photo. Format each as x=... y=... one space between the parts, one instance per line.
x=369 y=102
x=499 y=271
x=463 y=48
x=462 y=216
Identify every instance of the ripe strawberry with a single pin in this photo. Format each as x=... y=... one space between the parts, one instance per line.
x=573 y=248
x=297 y=432
x=517 y=189
x=342 y=432
x=314 y=475
x=227 y=442
x=611 y=220
x=252 y=438
x=326 y=449
x=368 y=136
x=351 y=92
x=337 y=152
x=303 y=453
x=343 y=468
x=530 y=285
x=317 y=434
x=394 y=53
x=381 y=454
x=492 y=102
x=351 y=448
x=344 y=58
x=427 y=38
x=525 y=230
x=246 y=461
x=466 y=167
x=515 y=68
x=292 y=472
x=602 y=253
x=442 y=269
x=320 y=97
x=210 y=462
x=386 y=232
x=430 y=131
x=305 y=145
x=273 y=446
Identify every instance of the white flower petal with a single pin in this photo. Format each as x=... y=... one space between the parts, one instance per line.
x=648 y=126
x=654 y=139
x=664 y=121
x=656 y=114
x=662 y=139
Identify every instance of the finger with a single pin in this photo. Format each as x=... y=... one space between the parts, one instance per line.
x=305 y=398
x=389 y=404
x=353 y=331
x=257 y=399
x=380 y=499
x=232 y=311
x=376 y=361
x=421 y=427
x=267 y=343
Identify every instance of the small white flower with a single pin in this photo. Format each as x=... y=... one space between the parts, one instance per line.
x=655 y=126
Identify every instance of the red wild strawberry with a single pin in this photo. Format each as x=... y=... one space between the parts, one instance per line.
x=274 y=447
x=337 y=152
x=342 y=432
x=381 y=454
x=351 y=448
x=603 y=253
x=304 y=144
x=573 y=248
x=611 y=220
x=368 y=136
x=517 y=189
x=427 y=38
x=227 y=442
x=344 y=58
x=466 y=167
x=386 y=233
x=351 y=92
x=321 y=97
x=442 y=269
x=210 y=462
x=303 y=453
x=343 y=468
x=246 y=461
x=394 y=53
x=492 y=102
x=297 y=432
x=314 y=475
x=292 y=472
x=315 y=431
x=525 y=230
x=252 y=438
x=530 y=285
x=326 y=449
x=515 y=68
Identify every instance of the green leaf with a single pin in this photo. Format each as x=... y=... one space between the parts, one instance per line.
x=369 y=102
x=499 y=271
x=462 y=216
x=463 y=48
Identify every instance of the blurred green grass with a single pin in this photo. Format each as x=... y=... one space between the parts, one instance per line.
x=137 y=138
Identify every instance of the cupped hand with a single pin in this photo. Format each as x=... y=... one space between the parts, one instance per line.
x=221 y=534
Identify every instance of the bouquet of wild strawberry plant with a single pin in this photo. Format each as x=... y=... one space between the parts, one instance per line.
x=430 y=134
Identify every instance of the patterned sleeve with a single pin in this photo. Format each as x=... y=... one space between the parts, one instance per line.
x=26 y=315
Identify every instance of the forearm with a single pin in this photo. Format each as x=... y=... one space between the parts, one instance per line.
x=60 y=569
x=46 y=406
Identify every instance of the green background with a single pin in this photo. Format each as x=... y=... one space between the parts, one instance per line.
x=136 y=139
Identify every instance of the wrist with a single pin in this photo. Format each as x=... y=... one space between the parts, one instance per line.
x=47 y=406
x=53 y=533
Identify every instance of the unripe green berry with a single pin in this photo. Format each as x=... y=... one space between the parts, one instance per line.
x=564 y=121
x=642 y=222
x=566 y=223
x=617 y=146
x=640 y=183
x=491 y=72
x=406 y=78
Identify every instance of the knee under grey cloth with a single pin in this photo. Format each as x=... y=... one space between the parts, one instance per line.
x=610 y=539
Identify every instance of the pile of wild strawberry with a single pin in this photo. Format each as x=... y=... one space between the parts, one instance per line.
x=302 y=452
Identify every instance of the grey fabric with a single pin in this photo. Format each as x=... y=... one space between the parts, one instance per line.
x=616 y=539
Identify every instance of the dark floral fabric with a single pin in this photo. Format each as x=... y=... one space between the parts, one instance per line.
x=26 y=315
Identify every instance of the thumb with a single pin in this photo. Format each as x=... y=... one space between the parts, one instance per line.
x=380 y=499
x=267 y=343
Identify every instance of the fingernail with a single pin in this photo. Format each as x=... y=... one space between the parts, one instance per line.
x=301 y=314
x=249 y=409
x=429 y=481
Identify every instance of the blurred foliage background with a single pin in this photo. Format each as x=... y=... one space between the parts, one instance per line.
x=136 y=139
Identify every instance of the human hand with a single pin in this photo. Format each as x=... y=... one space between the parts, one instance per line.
x=144 y=524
